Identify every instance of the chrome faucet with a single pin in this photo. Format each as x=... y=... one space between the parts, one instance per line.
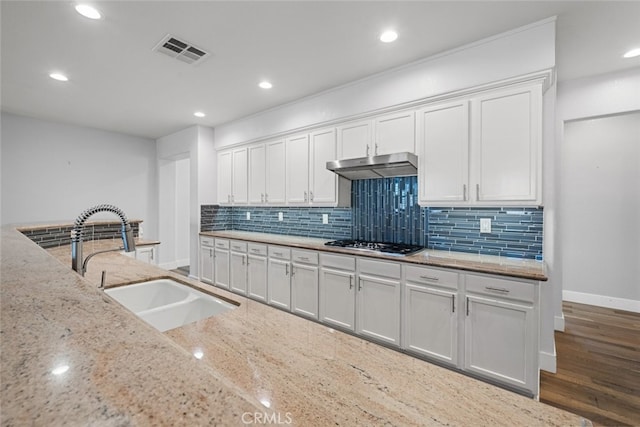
x=78 y=228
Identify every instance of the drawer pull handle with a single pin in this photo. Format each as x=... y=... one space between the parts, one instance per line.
x=278 y=253
x=435 y=279
x=255 y=250
x=304 y=258
x=501 y=290
x=453 y=303
x=350 y=282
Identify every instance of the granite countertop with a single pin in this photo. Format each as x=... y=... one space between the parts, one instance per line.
x=519 y=268
x=122 y=371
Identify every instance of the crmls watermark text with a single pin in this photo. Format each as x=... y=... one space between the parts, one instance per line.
x=266 y=418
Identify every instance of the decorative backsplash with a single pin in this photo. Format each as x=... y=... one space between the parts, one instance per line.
x=387 y=210
x=296 y=221
x=59 y=235
x=515 y=232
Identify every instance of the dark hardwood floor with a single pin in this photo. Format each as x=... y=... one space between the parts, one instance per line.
x=598 y=366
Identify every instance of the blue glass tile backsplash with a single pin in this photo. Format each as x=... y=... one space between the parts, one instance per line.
x=387 y=210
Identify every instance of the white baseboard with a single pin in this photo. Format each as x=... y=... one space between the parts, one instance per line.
x=602 y=301
x=547 y=361
x=191 y=276
x=558 y=322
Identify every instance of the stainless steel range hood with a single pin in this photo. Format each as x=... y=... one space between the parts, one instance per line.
x=383 y=166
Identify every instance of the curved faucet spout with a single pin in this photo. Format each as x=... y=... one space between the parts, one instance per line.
x=78 y=229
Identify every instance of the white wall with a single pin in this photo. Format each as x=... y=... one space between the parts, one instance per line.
x=196 y=144
x=53 y=172
x=586 y=98
x=518 y=52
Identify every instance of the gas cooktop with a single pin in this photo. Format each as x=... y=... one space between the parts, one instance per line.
x=385 y=247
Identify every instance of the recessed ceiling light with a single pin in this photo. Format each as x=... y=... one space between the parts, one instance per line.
x=88 y=11
x=265 y=85
x=199 y=114
x=632 y=53
x=388 y=36
x=58 y=76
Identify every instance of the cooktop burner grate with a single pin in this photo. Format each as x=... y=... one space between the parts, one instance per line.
x=385 y=247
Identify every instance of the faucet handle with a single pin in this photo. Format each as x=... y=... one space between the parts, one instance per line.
x=103 y=279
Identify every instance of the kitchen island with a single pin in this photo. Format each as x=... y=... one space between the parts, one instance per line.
x=240 y=367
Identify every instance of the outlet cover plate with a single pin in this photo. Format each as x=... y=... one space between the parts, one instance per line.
x=325 y=218
x=485 y=225
x=280 y=216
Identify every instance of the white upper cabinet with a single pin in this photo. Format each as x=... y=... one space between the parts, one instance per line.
x=297 y=170
x=225 y=176
x=232 y=176
x=444 y=152
x=390 y=133
x=395 y=133
x=276 y=173
x=257 y=174
x=322 y=182
x=486 y=150
x=507 y=127
x=355 y=139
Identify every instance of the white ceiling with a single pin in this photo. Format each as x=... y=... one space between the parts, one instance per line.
x=118 y=83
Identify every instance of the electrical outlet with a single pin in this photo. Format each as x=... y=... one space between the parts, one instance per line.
x=280 y=216
x=248 y=215
x=325 y=218
x=485 y=225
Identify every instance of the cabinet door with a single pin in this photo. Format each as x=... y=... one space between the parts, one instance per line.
x=276 y=167
x=221 y=259
x=430 y=324
x=395 y=133
x=297 y=154
x=499 y=341
x=322 y=186
x=337 y=298
x=443 y=154
x=240 y=176
x=257 y=277
x=225 y=176
x=238 y=273
x=379 y=308
x=279 y=283
x=206 y=264
x=507 y=141
x=257 y=174
x=355 y=140
x=146 y=254
x=304 y=290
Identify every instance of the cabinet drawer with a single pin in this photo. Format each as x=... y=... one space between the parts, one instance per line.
x=279 y=252
x=206 y=241
x=338 y=261
x=306 y=257
x=222 y=243
x=256 y=249
x=431 y=276
x=379 y=268
x=493 y=286
x=238 y=246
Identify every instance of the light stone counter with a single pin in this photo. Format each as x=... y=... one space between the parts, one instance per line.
x=521 y=268
x=124 y=372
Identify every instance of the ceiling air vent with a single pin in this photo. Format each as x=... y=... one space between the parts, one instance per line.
x=181 y=50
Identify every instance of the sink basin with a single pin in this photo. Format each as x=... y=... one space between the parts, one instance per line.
x=167 y=304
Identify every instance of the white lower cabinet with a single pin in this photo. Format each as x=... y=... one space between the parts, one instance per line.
x=483 y=324
x=501 y=332
x=221 y=263
x=337 y=305
x=279 y=277
x=257 y=271
x=430 y=322
x=238 y=267
x=304 y=283
x=206 y=259
x=378 y=300
x=147 y=254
